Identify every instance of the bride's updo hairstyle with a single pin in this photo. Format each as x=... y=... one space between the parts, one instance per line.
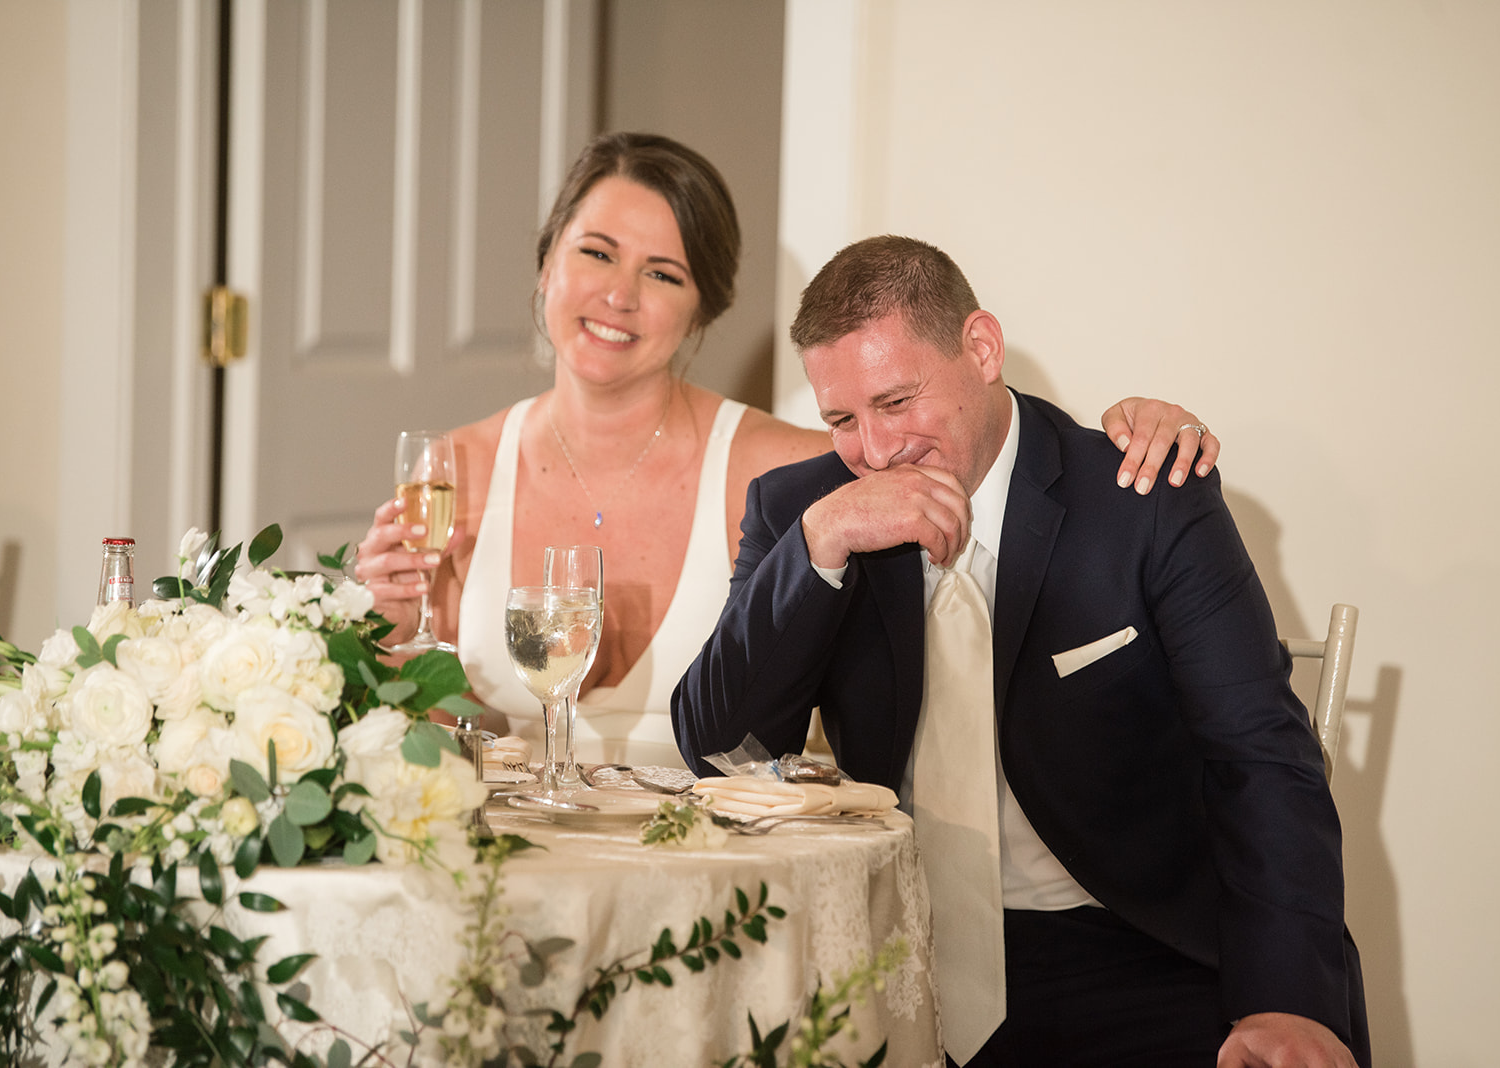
x=690 y=184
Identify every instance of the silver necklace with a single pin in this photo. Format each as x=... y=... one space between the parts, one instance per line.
x=573 y=467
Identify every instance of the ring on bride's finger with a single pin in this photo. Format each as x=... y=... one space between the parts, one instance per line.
x=1198 y=428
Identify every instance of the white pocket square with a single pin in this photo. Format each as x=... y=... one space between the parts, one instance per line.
x=1070 y=661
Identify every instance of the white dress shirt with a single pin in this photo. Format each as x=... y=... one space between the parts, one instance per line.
x=1032 y=877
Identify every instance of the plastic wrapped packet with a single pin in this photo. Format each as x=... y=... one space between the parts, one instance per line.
x=751 y=758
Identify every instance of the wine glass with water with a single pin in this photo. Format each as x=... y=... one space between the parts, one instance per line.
x=579 y=567
x=552 y=633
x=424 y=485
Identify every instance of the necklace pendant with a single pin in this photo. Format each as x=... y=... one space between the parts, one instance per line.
x=598 y=520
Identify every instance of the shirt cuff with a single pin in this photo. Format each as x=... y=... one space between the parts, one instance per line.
x=834 y=576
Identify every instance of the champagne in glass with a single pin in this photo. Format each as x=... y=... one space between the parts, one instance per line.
x=424 y=485
x=552 y=633
x=577 y=567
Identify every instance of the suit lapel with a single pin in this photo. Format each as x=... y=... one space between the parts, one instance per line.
x=1032 y=520
x=896 y=586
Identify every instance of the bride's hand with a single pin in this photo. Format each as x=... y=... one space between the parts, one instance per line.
x=1145 y=431
x=391 y=571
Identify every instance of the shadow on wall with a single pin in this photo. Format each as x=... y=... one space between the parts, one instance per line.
x=10 y=580
x=1370 y=905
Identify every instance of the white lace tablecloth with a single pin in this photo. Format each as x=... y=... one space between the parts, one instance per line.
x=387 y=938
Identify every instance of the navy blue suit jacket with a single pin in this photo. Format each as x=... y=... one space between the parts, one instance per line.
x=1177 y=778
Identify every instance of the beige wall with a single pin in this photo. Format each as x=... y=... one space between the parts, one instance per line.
x=32 y=102
x=1285 y=214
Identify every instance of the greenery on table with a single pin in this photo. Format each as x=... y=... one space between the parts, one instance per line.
x=152 y=761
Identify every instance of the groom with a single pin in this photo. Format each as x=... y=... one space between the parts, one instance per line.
x=1168 y=847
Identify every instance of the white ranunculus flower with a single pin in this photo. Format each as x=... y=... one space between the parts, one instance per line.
x=117 y=617
x=303 y=738
x=183 y=696
x=197 y=627
x=126 y=773
x=155 y=663
x=241 y=659
x=108 y=706
x=349 y=600
x=321 y=687
x=74 y=754
x=20 y=712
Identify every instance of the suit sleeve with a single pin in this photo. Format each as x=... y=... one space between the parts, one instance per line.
x=1273 y=829
x=760 y=671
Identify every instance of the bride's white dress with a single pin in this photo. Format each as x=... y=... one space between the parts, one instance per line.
x=629 y=723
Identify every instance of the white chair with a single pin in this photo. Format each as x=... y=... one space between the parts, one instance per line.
x=1336 y=651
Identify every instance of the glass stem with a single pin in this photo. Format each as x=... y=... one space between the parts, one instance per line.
x=424 y=620
x=550 y=776
x=568 y=774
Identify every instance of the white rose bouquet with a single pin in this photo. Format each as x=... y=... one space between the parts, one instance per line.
x=238 y=719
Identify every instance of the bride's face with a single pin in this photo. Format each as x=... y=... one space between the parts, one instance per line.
x=619 y=298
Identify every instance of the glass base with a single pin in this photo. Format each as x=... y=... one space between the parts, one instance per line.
x=422 y=644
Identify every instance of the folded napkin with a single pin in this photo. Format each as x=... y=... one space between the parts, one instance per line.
x=508 y=750
x=746 y=795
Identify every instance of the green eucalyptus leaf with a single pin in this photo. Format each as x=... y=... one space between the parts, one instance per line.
x=210 y=881
x=424 y=742
x=247 y=857
x=247 y=780
x=110 y=645
x=456 y=704
x=306 y=803
x=91 y=795
x=257 y=902
x=438 y=674
x=170 y=588
x=44 y=956
x=131 y=806
x=396 y=692
x=339 y=1054
x=286 y=968
x=587 y=1060
x=287 y=844
x=88 y=647
x=297 y=1010
x=359 y=851
x=264 y=544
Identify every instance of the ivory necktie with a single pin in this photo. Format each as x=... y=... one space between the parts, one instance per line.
x=955 y=805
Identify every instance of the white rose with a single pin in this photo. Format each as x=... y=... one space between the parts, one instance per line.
x=411 y=801
x=190 y=740
x=153 y=662
x=60 y=650
x=45 y=682
x=108 y=706
x=303 y=738
x=378 y=733
x=20 y=713
x=126 y=774
x=196 y=628
x=239 y=660
x=116 y=617
x=348 y=601
x=205 y=780
x=322 y=687
x=183 y=696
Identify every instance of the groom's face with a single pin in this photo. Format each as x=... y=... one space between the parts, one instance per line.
x=889 y=398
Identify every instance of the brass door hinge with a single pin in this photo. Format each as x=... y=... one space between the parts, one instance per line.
x=225 y=313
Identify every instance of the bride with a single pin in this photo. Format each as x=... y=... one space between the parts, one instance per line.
x=637 y=258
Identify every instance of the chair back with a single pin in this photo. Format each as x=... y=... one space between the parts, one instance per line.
x=1336 y=651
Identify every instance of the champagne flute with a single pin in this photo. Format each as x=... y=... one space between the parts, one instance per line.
x=424 y=485
x=551 y=632
x=579 y=567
